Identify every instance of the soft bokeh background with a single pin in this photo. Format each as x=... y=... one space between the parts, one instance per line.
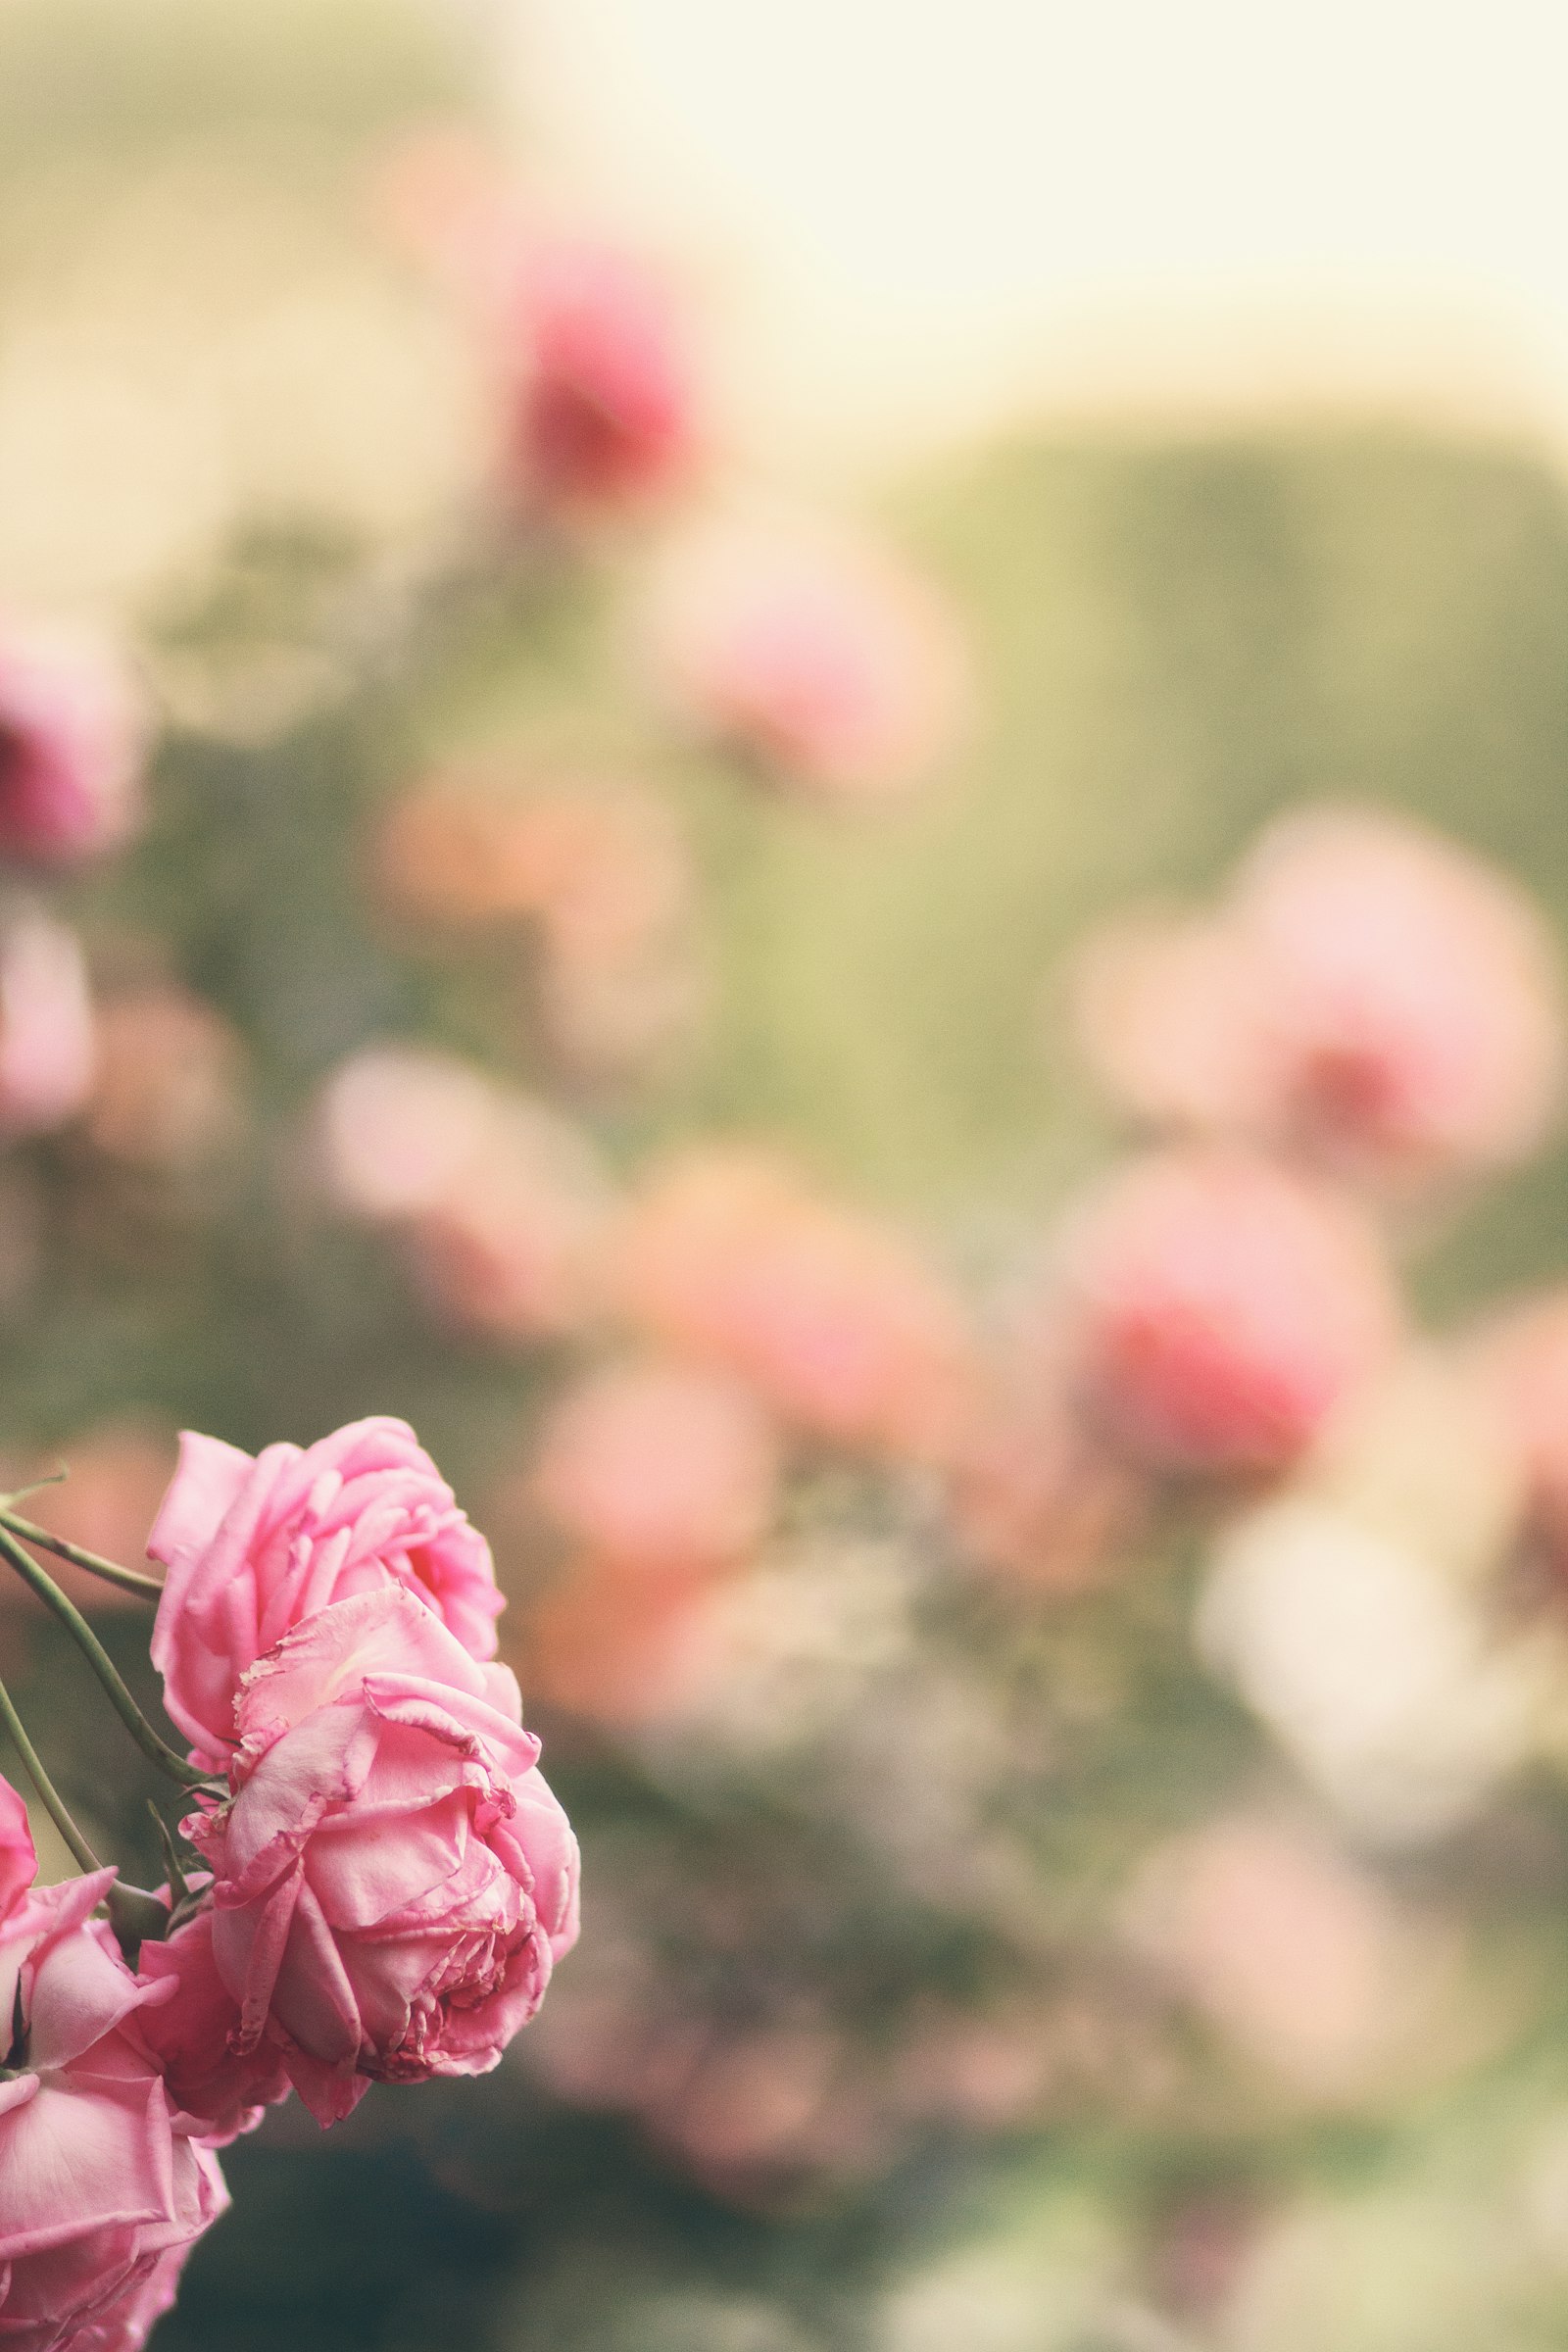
x=1019 y=1959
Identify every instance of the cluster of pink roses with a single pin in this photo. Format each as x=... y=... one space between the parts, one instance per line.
x=388 y=1880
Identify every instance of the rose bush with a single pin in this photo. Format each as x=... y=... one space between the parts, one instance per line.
x=255 y=1546
x=105 y=2185
x=392 y=1879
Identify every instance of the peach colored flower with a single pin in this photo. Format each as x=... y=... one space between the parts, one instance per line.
x=658 y=1465
x=169 y=1093
x=834 y=1321
x=1218 y=1309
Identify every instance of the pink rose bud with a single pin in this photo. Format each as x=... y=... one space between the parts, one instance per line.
x=838 y=1323
x=658 y=1466
x=48 y=1049
x=1218 y=1309
x=601 y=407
x=255 y=1546
x=393 y=1879
x=72 y=730
x=104 y=2186
x=842 y=674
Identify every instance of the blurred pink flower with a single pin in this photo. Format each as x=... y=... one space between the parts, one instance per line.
x=1035 y=1498
x=501 y=1204
x=256 y=1546
x=169 y=1091
x=48 y=1042
x=103 y=2187
x=1288 y=1947
x=842 y=674
x=836 y=1322
x=73 y=732
x=613 y=1641
x=599 y=876
x=658 y=1465
x=1217 y=1310
x=1367 y=994
x=598 y=391
x=392 y=1879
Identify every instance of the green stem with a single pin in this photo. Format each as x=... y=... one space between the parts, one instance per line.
x=131 y=1715
x=129 y=1580
x=54 y=1802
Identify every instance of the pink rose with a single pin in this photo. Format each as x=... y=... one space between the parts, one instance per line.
x=48 y=1046
x=253 y=1547
x=71 y=730
x=393 y=1879
x=601 y=405
x=103 y=2186
x=190 y=2034
x=843 y=674
x=1219 y=1309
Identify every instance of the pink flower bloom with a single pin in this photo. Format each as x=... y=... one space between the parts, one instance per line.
x=1367 y=994
x=393 y=1879
x=169 y=1095
x=499 y=1202
x=48 y=1049
x=1218 y=1310
x=836 y=1322
x=843 y=674
x=192 y=2034
x=593 y=879
x=601 y=404
x=255 y=1546
x=658 y=1466
x=71 y=734
x=104 y=2187
x=613 y=1643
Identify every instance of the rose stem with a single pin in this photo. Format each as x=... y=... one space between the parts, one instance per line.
x=191 y=1775
x=129 y=1580
x=54 y=1803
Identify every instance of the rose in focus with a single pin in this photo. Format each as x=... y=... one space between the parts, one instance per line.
x=393 y=1881
x=254 y=1547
